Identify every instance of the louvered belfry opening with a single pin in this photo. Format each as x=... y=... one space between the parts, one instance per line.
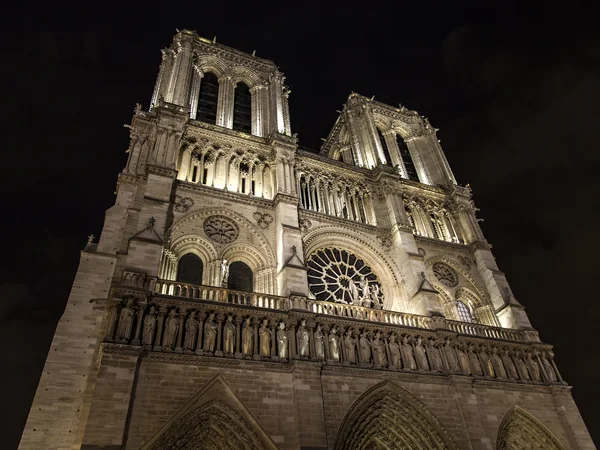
x=208 y=98
x=409 y=165
x=386 y=151
x=242 y=108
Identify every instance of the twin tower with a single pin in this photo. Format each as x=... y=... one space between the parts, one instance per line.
x=246 y=293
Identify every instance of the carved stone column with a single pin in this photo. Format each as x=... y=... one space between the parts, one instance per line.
x=138 y=327
x=179 y=347
x=311 y=343
x=292 y=340
x=273 y=331
x=238 y=337
x=219 y=346
x=256 y=344
x=199 y=347
x=113 y=306
x=326 y=343
x=159 y=325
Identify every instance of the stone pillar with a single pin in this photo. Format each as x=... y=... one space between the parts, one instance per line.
x=138 y=326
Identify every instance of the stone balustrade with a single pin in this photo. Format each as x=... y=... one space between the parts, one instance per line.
x=508 y=334
x=211 y=321
x=198 y=292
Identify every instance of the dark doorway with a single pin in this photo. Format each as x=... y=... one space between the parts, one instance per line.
x=189 y=269
x=240 y=277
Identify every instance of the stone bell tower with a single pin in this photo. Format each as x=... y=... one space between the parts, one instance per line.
x=248 y=293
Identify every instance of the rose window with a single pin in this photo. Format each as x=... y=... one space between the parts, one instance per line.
x=445 y=274
x=221 y=229
x=339 y=276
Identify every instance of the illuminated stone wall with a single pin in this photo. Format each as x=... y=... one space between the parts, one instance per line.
x=139 y=356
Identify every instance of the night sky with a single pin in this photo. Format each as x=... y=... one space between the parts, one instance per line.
x=514 y=91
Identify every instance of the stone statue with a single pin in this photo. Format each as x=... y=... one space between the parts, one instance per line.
x=364 y=290
x=486 y=363
x=354 y=294
x=420 y=355
x=210 y=333
x=229 y=336
x=379 y=357
x=534 y=368
x=171 y=329
x=548 y=369
x=463 y=360
x=264 y=339
x=334 y=344
x=225 y=272
x=191 y=330
x=282 y=341
x=303 y=339
x=474 y=360
x=365 y=348
x=407 y=355
x=149 y=327
x=125 y=321
x=377 y=303
x=247 y=338
x=509 y=365
x=434 y=357
x=394 y=352
x=451 y=357
x=319 y=349
x=350 y=346
x=497 y=363
x=521 y=366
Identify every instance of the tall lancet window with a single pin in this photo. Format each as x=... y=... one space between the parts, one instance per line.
x=207 y=99
x=386 y=151
x=242 y=108
x=411 y=172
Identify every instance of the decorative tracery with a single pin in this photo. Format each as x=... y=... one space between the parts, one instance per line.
x=445 y=274
x=340 y=276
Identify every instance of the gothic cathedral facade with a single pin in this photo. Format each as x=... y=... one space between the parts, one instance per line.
x=246 y=293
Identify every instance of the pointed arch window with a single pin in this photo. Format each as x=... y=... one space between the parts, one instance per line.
x=409 y=165
x=464 y=313
x=386 y=151
x=208 y=98
x=242 y=108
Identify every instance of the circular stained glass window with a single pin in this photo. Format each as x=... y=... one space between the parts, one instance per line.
x=339 y=276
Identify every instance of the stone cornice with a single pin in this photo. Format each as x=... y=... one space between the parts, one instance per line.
x=439 y=243
x=161 y=171
x=200 y=189
x=345 y=223
x=318 y=160
x=200 y=129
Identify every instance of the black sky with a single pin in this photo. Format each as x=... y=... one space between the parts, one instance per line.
x=513 y=88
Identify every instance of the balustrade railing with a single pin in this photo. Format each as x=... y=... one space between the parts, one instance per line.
x=216 y=294
x=508 y=334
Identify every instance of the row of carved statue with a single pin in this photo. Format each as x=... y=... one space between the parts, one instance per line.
x=171 y=330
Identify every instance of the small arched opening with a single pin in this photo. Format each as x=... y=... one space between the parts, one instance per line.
x=208 y=98
x=409 y=165
x=190 y=269
x=240 y=277
x=242 y=108
x=386 y=150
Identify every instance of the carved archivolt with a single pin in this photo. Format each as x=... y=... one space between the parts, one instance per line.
x=195 y=217
x=481 y=291
x=519 y=430
x=388 y=416
x=213 y=419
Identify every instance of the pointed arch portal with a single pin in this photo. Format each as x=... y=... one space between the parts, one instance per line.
x=389 y=417
x=519 y=430
x=212 y=419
